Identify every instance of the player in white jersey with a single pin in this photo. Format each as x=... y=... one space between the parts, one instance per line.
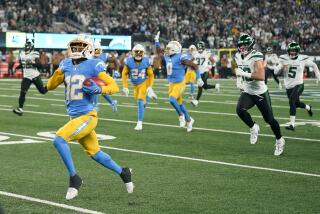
x=29 y=60
x=204 y=60
x=293 y=65
x=255 y=91
x=271 y=60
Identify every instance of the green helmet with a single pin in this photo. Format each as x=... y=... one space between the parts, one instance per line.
x=293 y=47
x=201 y=46
x=246 y=40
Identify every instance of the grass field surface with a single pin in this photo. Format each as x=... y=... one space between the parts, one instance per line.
x=213 y=169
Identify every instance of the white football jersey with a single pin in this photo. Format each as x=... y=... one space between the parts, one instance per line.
x=271 y=60
x=250 y=86
x=294 y=74
x=28 y=61
x=203 y=61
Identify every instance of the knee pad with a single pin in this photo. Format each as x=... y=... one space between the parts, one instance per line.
x=23 y=93
x=240 y=111
x=58 y=140
x=100 y=156
x=172 y=99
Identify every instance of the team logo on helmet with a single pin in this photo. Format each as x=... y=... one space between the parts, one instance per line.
x=173 y=47
x=245 y=44
x=29 y=45
x=81 y=47
x=293 y=50
x=201 y=46
x=138 y=52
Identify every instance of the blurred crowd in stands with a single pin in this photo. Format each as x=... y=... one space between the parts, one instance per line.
x=217 y=22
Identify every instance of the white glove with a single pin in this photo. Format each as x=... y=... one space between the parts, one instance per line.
x=238 y=72
x=200 y=82
x=241 y=73
x=157 y=37
x=239 y=83
x=125 y=91
x=151 y=94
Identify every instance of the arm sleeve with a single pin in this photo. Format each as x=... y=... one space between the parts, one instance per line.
x=124 y=75
x=111 y=85
x=315 y=68
x=150 y=76
x=56 y=79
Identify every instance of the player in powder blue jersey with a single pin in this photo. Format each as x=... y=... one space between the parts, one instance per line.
x=176 y=63
x=81 y=108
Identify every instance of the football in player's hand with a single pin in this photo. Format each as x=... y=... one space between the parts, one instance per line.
x=97 y=80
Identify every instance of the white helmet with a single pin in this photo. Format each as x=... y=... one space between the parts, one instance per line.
x=138 y=52
x=173 y=47
x=192 y=49
x=81 y=47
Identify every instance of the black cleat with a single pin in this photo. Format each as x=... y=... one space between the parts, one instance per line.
x=126 y=178
x=75 y=183
x=290 y=127
x=310 y=111
x=18 y=111
x=126 y=175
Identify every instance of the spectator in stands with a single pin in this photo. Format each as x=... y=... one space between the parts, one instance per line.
x=10 y=61
x=224 y=66
x=156 y=64
x=44 y=63
x=214 y=23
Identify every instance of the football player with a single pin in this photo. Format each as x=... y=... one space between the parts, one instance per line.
x=176 y=63
x=98 y=53
x=190 y=77
x=271 y=60
x=73 y=71
x=255 y=91
x=141 y=74
x=29 y=59
x=205 y=61
x=293 y=65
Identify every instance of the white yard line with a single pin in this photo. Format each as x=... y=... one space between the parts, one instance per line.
x=273 y=96
x=168 y=109
x=31 y=105
x=173 y=126
x=37 y=200
x=184 y=158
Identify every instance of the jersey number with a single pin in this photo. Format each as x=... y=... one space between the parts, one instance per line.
x=136 y=75
x=292 y=72
x=200 y=61
x=73 y=83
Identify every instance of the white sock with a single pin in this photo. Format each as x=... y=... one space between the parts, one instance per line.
x=292 y=120
x=307 y=107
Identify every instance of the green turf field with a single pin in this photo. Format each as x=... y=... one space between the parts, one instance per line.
x=213 y=169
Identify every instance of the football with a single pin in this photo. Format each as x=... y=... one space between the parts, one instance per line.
x=97 y=80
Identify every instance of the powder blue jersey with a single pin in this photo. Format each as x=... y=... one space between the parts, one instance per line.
x=138 y=71
x=103 y=57
x=77 y=101
x=175 y=68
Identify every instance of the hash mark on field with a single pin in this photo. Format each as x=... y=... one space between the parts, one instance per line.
x=6 y=106
x=185 y=158
x=57 y=105
x=31 y=105
x=27 y=198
